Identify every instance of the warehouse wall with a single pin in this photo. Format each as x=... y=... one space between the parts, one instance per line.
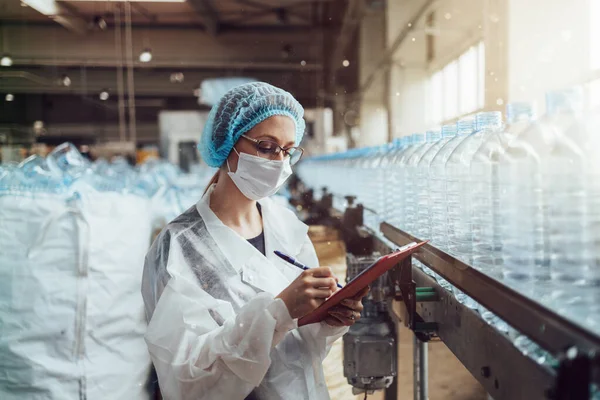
x=373 y=111
x=457 y=25
x=408 y=71
x=531 y=47
x=170 y=46
x=550 y=51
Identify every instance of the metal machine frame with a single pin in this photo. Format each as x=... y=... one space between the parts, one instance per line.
x=431 y=311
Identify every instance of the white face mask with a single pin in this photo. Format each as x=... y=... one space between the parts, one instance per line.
x=258 y=177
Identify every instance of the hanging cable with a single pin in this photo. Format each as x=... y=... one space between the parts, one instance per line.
x=130 y=83
x=120 y=84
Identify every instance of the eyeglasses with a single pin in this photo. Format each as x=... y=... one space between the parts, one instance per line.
x=270 y=150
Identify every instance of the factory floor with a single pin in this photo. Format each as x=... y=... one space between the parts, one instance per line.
x=448 y=379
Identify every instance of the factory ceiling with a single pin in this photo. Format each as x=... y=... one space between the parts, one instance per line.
x=286 y=42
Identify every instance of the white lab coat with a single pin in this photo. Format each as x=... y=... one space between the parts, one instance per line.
x=215 y=329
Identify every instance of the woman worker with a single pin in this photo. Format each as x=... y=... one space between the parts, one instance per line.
x=222 y=308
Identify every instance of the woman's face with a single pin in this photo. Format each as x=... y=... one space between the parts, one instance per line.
x=278 y=129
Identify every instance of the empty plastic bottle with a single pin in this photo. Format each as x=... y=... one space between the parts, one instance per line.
x=458 y=190
x=542 y=199
x=438 y=213
x=67 y=161
x=373 y=186
x=386 y=200
x=423 y=182
x=413 y=176
x=401 y=186
x=519 y=116
x=389 y=167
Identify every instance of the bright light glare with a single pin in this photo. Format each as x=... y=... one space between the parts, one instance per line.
x=103 y=95
x=10 y=97
x=46 y=7
x=6 y=61
x=595 y=34
x=146 y=56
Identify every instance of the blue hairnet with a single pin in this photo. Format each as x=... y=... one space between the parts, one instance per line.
x=238 y=111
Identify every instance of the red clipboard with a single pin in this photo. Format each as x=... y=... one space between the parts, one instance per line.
x=360 y=281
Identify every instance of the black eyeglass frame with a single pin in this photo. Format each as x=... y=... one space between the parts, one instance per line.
x=276 y=149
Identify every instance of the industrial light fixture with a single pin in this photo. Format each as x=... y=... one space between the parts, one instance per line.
x=104 y=95
x=9 y=97
x=100 y=23
x=346 y=63
x=6 y=61
x=146 y=55
x=38 y=128
x=177 y=77
x=65 y=80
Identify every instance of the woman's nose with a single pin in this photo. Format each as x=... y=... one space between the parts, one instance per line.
x=280 y=156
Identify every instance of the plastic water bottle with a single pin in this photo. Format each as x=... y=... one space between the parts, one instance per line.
x=67 y=161
x=424 y=181
x=424 y=187
x=362 y=182
x=438 y=211
x=373 y=185
x=458 y=193
x=519 y=116
x=387 y=199
x=37 y=176
x=458 y=190
x=381 y=193
x=573 y=266
x=589 y=315
x=488 y=209
x=542 y=202
x=390 y=165
x=412 y=176
x=565 y=168
x=402 y=185
x=487 y=206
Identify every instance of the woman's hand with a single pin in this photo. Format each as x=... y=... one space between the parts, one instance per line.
x=308 y=291
x=348 y=311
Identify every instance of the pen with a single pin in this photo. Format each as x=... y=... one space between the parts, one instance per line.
x=293 y=261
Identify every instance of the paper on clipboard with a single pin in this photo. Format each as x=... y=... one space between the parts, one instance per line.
x=360 y=281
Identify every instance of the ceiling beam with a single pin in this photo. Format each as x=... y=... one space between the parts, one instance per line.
x=269 y=9
x=224 y=26
x=208 y=14
x=208 y=65
x=59 y=13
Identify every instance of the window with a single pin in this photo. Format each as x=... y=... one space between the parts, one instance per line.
x=436 y=94
x=594 y=87
x=450 y=74
x=595 y=34
x=458 y=88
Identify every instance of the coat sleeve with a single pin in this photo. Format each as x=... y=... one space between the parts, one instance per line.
x=319 y=336
x=202 y=349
